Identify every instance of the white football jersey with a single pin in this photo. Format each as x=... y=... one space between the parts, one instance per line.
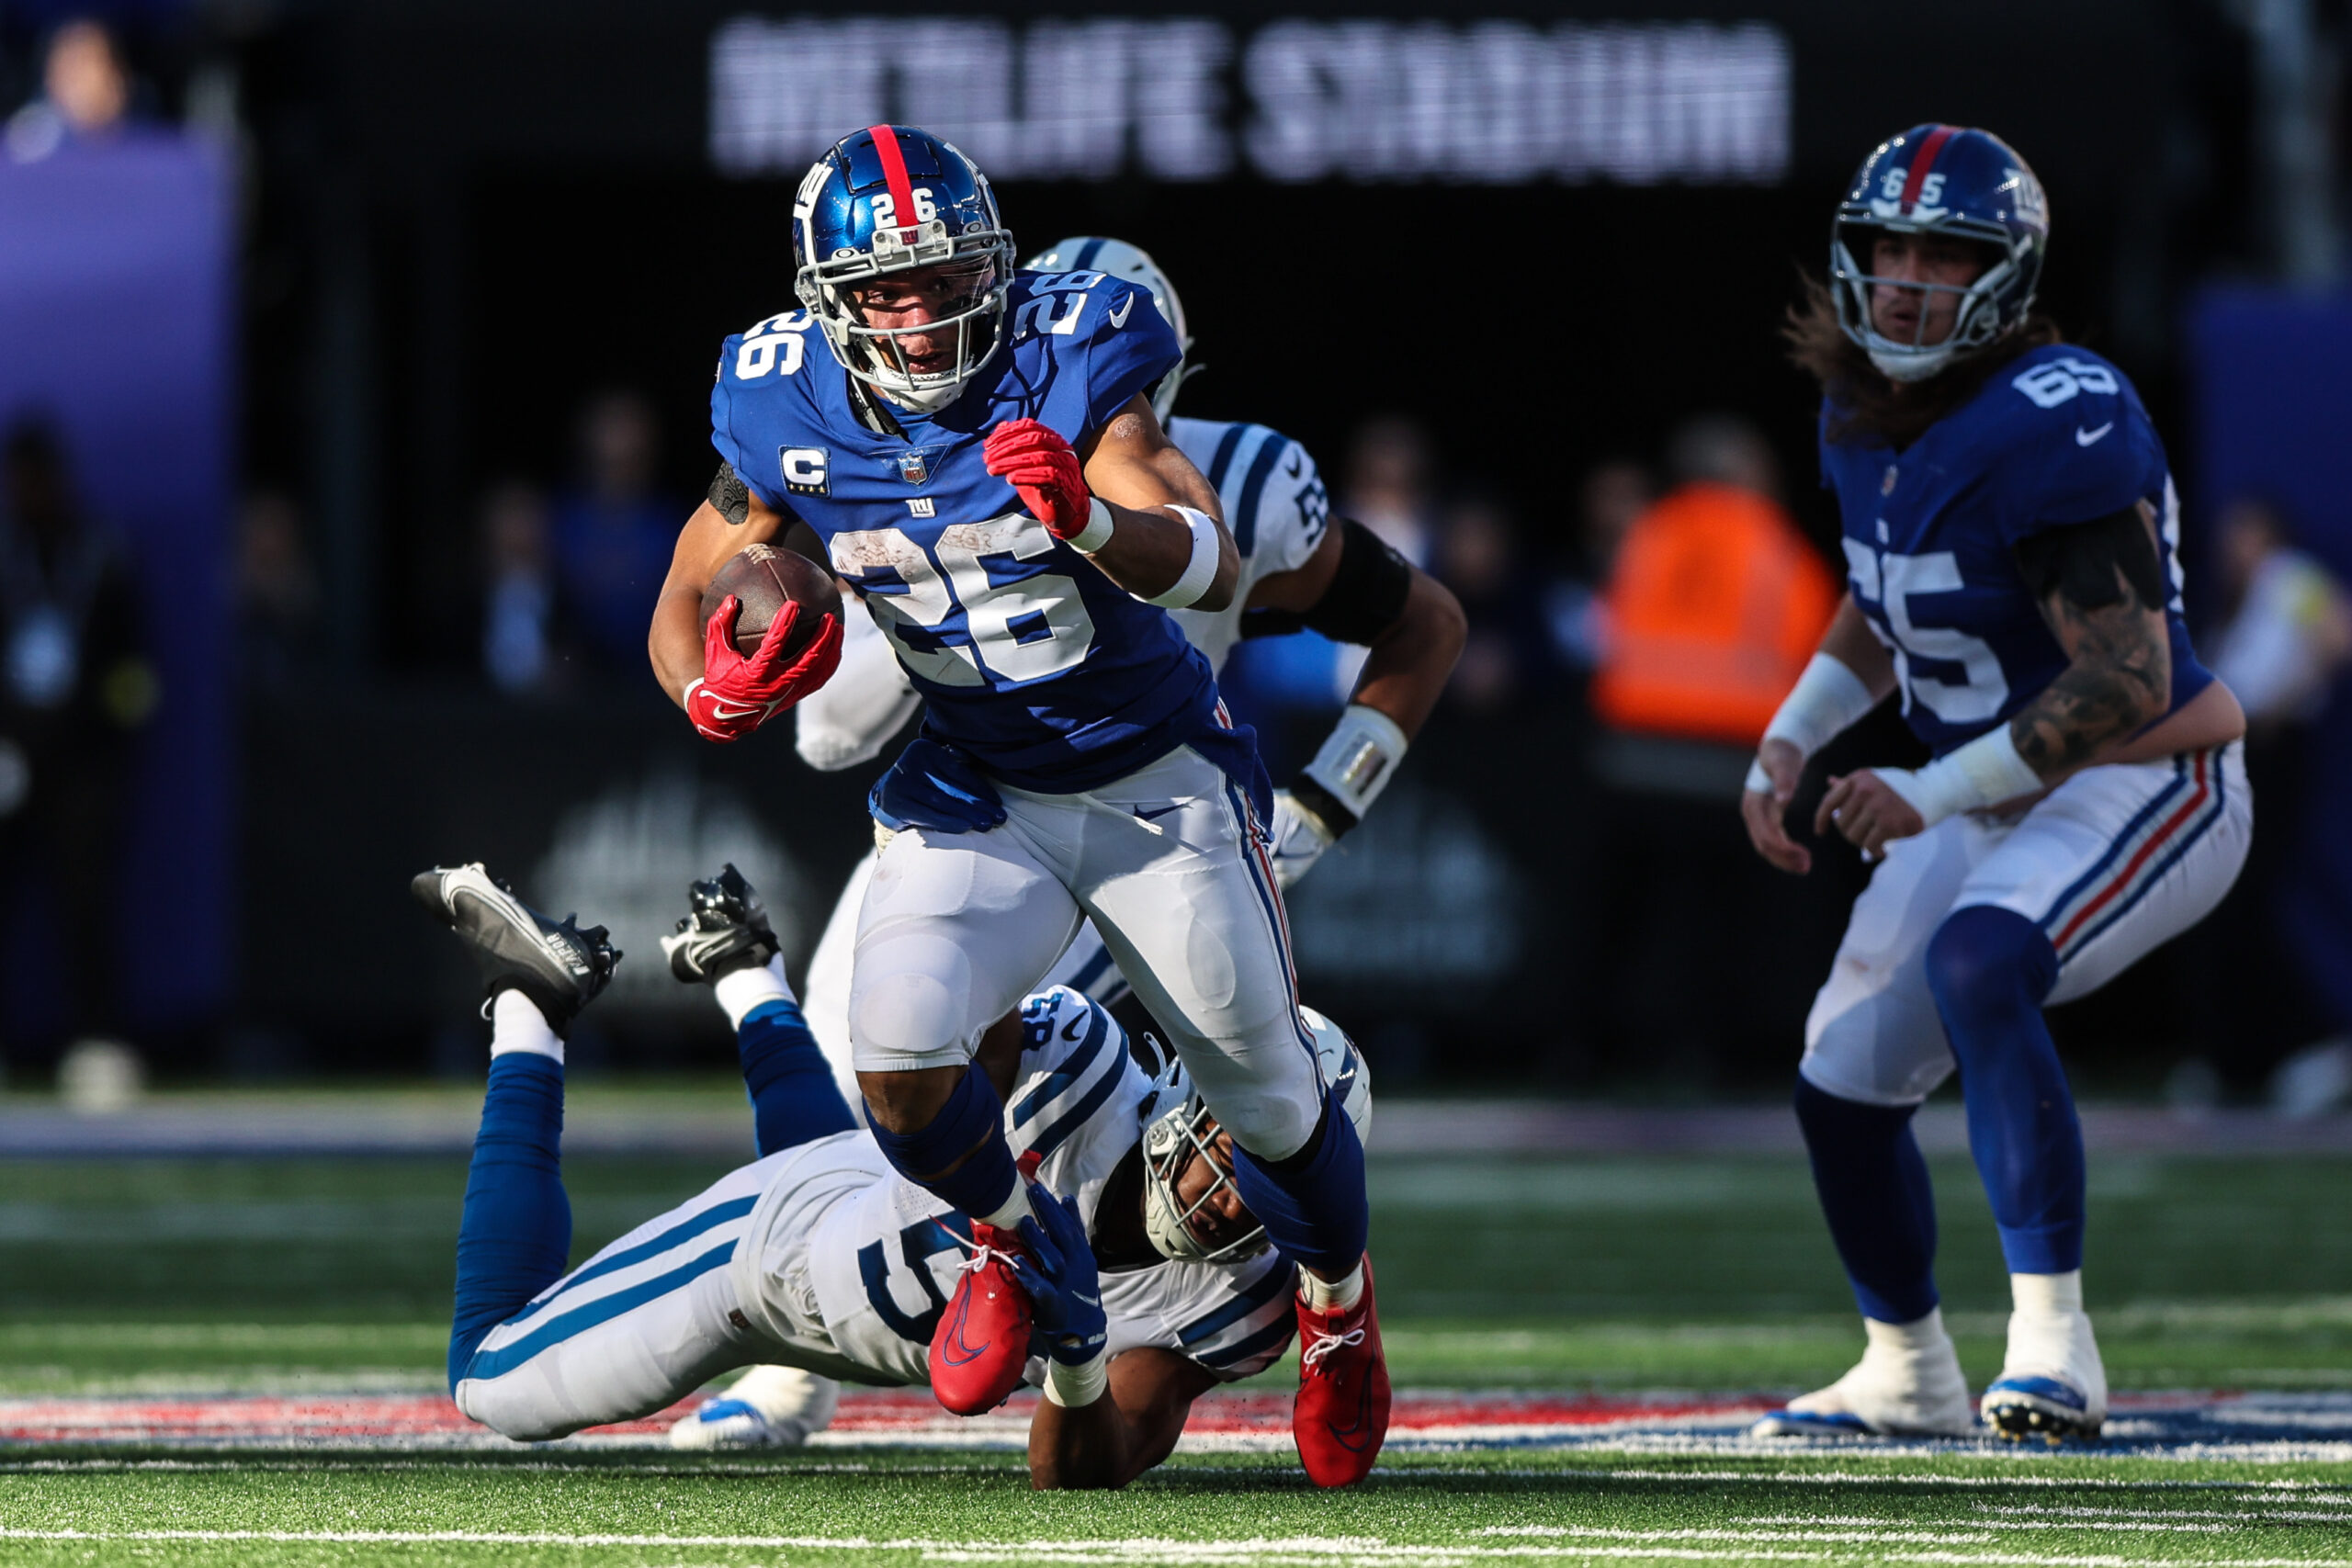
x=882 y=1261
x=1275 y=509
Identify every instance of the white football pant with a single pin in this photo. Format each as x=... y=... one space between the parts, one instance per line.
x=2112 y=863
x=957 y=927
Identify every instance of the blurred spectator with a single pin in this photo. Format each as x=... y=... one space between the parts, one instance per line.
x=613 y=538
x=86 y=95
x=519 y=639
x=1612 y=495
x=1389 y=483
x=2286 y=637
x=77 y=688
x=1715 y=604
x=277 y=594
x=1507 y=656
x=2289 y=625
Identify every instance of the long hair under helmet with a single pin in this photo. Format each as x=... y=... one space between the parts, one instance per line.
x=1940 y=179
x=1171 y=1142
x=1093 y=252
x=890 y=198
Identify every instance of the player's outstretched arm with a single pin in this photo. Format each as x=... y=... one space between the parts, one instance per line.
x=1133 y=1427
x=1355 y=589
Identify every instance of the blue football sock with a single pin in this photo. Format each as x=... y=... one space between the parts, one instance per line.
x=972 y=1119
x=1989 y=970
x=1312 y=1203
x=516 y=1229
x=1875 y=1195
x=794 y=1098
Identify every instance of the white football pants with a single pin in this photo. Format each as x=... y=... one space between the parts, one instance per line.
x=2112 y=863
x=1085 y=965
x=1170 y=864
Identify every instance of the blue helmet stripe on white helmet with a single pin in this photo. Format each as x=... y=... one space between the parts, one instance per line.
x=1955 y=180
x=892 y=199
x=1132 y=263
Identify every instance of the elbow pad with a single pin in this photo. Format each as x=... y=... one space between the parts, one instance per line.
x=1366 y=595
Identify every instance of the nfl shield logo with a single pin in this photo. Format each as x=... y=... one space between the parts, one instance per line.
x=913 y=468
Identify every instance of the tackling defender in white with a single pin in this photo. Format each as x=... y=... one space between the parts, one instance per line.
x=1152 y=1282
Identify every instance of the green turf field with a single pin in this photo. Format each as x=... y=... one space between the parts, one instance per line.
x=159 y=1276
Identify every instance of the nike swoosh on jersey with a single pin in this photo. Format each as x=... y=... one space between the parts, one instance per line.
x=2085 y=438
x=1296 y=463
x=1119 y=317
x=1155 y=815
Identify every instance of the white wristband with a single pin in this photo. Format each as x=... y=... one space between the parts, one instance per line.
x=1097 y=532
x=1201 y=570
x=1828 y=698
x=1985 y=772
x=1359 y=758
x=1083 y=1384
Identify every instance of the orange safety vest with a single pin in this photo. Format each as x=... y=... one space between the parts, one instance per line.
x=1714 y=608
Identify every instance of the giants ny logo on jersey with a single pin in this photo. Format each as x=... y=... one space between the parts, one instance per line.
x=803 y=470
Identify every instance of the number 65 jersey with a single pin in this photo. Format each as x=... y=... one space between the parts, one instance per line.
x=2056 y=436
x=1045 y=671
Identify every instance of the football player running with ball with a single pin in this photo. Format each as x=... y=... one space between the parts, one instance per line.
x=2010 y=531
x=1299 y=567
x=1150 y=1281
x=977 y=458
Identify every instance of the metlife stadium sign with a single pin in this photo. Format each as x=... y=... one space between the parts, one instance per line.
x=1491 y=102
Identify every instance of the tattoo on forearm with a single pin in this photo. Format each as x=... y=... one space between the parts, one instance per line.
x=2121 y=677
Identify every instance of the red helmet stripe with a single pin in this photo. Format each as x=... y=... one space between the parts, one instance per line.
x=1921 y=162
x=894 y=171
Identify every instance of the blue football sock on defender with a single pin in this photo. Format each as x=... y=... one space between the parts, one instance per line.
x=1313 y=1202
x=1989 y=970
x=973 y=1119
x=794 y=1098
x=516 y=1229
x=1875 y=1194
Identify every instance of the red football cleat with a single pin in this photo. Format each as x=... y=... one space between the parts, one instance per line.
x=981 y=1345
x=1342 y=1413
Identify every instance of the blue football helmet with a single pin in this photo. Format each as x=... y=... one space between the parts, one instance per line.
x=889 y=200
x=1944 y=179
x=1093 y=253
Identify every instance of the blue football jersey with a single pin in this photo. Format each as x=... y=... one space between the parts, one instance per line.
x=2055 y=437
x=1048 y=674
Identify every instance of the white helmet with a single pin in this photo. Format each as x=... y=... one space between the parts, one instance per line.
x=1087 y=253
x=1169 y=1142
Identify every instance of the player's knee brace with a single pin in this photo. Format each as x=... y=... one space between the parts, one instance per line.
x=971 y=1122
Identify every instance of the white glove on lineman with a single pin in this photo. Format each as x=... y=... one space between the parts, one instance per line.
x=1296 y=842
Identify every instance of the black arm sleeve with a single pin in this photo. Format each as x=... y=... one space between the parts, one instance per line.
x=729 y=496
x=2080 y=562
x=1366 y=597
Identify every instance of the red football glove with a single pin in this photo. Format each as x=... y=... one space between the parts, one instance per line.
x=735 y=695
x=1040 y=465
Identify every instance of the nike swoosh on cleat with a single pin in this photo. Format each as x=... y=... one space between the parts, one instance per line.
x=955 y=1341
x=2085 y=438
x=1119 y=318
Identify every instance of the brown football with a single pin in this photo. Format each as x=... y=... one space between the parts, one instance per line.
x=763 y=576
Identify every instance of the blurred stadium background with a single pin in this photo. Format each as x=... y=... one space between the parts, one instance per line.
x=354 y=360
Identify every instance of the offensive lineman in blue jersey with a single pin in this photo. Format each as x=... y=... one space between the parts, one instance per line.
x=978 y=461
x=2010 y=529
